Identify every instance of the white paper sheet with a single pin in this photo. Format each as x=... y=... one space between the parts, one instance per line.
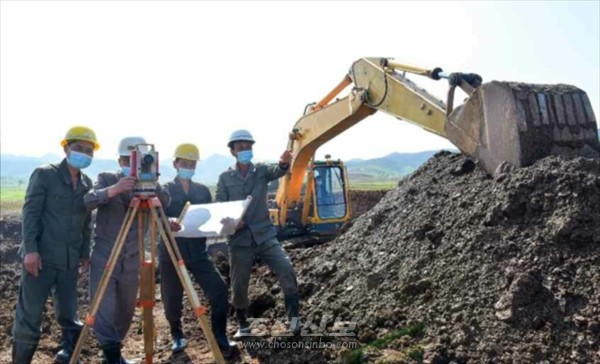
x=213 y=219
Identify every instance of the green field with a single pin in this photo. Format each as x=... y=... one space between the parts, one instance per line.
x=11 y=198
x=373 y=185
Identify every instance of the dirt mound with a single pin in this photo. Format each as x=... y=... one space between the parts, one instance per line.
x=454 y=266
x=10 y=236
x=451 y=266
x=363 y=201
x=501 y=270
x=10 y=272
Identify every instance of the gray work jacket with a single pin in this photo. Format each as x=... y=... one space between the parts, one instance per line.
x=232 y=186
x=55 y=222
x=111 y=215
x=192 y=249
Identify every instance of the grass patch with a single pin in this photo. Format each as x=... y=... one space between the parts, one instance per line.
x=12 y=193
x=416 y=330
x=373 y=185
x=353 y=357
x=11 y=198
x=414 y=352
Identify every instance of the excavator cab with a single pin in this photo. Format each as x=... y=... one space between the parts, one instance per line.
x=325 y=204
x=500 y=125
x=330 y=198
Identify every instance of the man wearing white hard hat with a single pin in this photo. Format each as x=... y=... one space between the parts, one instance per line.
x=111 y=195
x=256 y=236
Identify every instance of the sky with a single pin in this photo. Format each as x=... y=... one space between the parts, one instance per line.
x=194 y=71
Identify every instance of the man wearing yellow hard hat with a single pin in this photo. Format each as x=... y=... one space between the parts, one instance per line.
x=56 y=245
x=111 y=195
x=193 y=250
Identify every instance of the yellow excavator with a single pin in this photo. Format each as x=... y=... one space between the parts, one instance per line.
x=501 y=124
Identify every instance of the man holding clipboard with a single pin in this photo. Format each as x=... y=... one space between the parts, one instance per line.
x=193 y=252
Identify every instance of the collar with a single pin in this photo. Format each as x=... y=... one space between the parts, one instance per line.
x=235 y=171
x=66 y=175
x=177 y=182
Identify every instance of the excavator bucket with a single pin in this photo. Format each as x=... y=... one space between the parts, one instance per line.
x=520 y=123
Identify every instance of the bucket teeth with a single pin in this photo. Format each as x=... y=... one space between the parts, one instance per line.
x=521 y=123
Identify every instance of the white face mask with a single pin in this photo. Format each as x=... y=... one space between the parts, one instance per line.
x=79 y=160
x=126 y=170
x=185 y=173
x=244 y=156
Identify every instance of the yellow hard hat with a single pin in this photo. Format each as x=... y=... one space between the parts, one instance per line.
x=81 y=133
x=187 y=151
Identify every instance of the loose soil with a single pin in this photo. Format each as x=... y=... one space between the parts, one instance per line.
x=450 y=266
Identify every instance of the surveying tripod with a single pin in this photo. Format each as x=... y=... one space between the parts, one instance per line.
x=148 y=209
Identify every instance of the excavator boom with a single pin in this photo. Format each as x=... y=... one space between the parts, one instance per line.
x=500 y=124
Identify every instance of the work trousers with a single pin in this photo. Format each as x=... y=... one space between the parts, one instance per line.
x=212 y=285
x=33 y=294
x=273 y=255
x=118 y=304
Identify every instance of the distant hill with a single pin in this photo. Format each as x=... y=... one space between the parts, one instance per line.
x=15 y=170
x=18 y=168
x=207 y=172
x=391 y=166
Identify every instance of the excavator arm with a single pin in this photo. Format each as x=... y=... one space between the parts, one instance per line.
x=374 y=90
x=500 y=123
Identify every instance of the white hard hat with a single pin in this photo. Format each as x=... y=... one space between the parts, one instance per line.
x=240 y=136
x=127 y=144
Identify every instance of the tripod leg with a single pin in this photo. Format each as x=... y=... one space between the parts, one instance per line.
x=146 y=292
x=110 y=267
x=186 y=282
x=153 y=260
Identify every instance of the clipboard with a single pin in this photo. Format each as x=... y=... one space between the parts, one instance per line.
x=215 y=219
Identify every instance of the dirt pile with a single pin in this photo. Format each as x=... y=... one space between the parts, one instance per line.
x=451 y=266
x=10 y=232
x=10 y=272
x=363 y=201
x=477 y=269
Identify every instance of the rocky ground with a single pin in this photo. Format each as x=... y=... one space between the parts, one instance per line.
x=198 y=352
x=363 y=201
x=452 y=266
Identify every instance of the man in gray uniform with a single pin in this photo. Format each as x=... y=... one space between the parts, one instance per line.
x=112 y=194
x=56 y=242
x=193 y=251
x=256 y=236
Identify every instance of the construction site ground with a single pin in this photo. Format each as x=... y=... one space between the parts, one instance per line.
x=451 y=266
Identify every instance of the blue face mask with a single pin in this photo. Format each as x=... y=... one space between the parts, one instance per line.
x=79 y=160
x=245 y=156
x=126 y=171
x=184 y=173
